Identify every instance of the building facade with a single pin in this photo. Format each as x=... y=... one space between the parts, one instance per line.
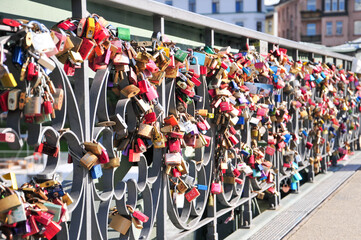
x=327 y=22
x=246 y=13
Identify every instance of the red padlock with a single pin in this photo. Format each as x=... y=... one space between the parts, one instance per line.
x=176 y=173
x=196 y=81
x=69 y=68
x=150 y=117
x=33 y=227
x=32 y=71
x=192 y=194
x=48 y=107
x=101 y=34
x=309 y=145
x=44 y=218
x=236 y=172
x=4 y=101
x=143 y=86
x=7 y=137
x=270 y=150
x=52 y=229
x=141 y=145
x=233 y=139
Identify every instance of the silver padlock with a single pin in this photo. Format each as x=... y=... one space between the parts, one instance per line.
x=32 y=106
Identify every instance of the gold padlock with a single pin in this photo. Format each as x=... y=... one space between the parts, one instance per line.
x=88 y=160
x=130 y=91
x=145 y=130
x=113 y=163
x=120 y=223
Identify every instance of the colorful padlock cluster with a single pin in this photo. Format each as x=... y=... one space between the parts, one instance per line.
x=35 y=209
x=32 y=91
x=262 y=109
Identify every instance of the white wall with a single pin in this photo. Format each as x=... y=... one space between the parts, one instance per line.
x=227 y=9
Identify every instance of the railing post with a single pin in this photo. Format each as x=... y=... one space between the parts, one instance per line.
x=343 y=63
x=323 y=57
x=295 y=54
x=209 y=37
x=158 y=26
x=311 y=56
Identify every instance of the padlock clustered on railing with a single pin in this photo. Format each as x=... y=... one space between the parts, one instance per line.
x=35 y=209
x=30 y=50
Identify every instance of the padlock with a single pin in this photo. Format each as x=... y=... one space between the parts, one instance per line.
x=44 y=218
x=96 y=171
x=34 y=229
x=51 y=230
x=88 y=160
x=270 y=150
x=130 y=91
x=133 y=156
x=86 y=48
x=113 y=163
x=13 y=98
x=9 y=201
x=145 y=130
x=67 y=199
x=173 y=159
x=137 y=214
x=120 y=223
x=192 y=194
x=32 y=106
x=7 y=78
x=174 y=145
x=216 y=188
x=93 y=147
x=181 y=186
x=171 y=120
x=151 y=94
x=58 y=99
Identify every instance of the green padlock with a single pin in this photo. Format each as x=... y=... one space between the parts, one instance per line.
x=209 y=50
x=123 y=33
x=180 y=56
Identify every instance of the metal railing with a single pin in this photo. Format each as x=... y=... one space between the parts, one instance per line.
x=87 y=105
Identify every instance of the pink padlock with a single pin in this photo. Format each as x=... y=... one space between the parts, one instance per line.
x=270 y=150
x=140 y=216
x=151 y=94
x=216 y=188
x=174 y=145
x=143 y=86
x=151 y=66
x=103 y=157
x=225 y=106
x=233 y=139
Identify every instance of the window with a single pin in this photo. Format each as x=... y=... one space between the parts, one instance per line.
x=327 y=5
x=328 y=28
x=215 y=6
x=334 y=5
x=239 y=5
x=192 y=5
x=341 y=5
x=357 y=5
x=259 y=26
x=339 y=27
x=240 y=23
x=311 y=5
x=269 y=26
x=357 y=27
x=170 y=3
x=259 y=5
x=311 y=29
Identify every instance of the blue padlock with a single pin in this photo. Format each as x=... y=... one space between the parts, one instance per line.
x=293 y=185
x=245 y=153
x=277 y=98
x=297 y=177
x=287 y=138
x=319 y=80
x=274 y=69
x=323 y=74
x=18 y=56
x=275 y=78
x=96 y=171
x=202 y=187
x=234 y=85
x=241 y=120
x=246 y=71
x=201 y=58
x=295 y=165
x=256 y=173
x=312 y=78
x=305 y=133
x=260 y=167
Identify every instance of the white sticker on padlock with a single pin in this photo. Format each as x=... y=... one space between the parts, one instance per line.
x=179 y=200
x=188 y=126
